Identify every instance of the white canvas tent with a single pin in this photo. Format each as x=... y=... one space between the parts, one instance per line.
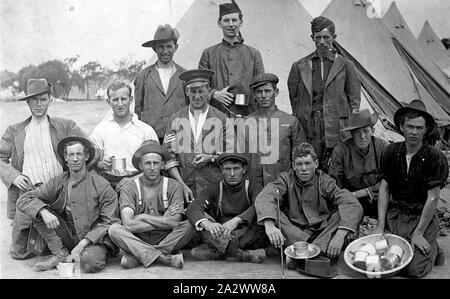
x=370 y=43
x=431 y=76
x=433 y=47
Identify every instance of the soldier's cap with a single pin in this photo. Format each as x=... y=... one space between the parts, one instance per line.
x=196 y=78
x=262 y=79
x=233 y=157
x=227 y=8
x=149 y=146
x=37 y=87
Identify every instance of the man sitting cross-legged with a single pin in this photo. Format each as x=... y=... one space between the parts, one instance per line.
x=151 y=208
x=224 y=214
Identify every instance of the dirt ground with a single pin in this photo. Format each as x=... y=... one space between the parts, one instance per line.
x=87 y=115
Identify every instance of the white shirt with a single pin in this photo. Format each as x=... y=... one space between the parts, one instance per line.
x=39 y=161
x=165 y=74
x=122 y=142
x=197 y=127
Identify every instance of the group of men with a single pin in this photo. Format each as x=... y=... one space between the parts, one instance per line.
x=218 y=178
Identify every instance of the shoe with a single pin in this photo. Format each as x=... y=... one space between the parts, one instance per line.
x=129 y=261
x=440 y=259
x=50 y=263
x=251 y=256
x=175 y=260
x=205 y=253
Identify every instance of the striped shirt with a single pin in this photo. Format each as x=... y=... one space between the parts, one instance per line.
x=39 y=161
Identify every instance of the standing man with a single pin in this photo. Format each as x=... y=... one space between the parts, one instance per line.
x=413 y=173
x=198 y=134
x=313 y=208
x=159 y=91
x=234 y=63
x=120 y=135
x=28 y=157
x=356 y=163
x=224 y=214
x=73 y=211
x=323 y=88
x=283 y=132
x=151 y=208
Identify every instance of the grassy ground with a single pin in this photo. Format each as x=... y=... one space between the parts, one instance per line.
x=87 y=115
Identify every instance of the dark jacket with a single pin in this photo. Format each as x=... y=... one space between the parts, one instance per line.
x=152 y=105
x=342 y=94
x=94 y=204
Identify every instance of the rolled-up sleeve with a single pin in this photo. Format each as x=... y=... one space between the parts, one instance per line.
x=439 y=171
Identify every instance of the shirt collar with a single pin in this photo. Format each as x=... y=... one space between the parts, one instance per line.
x=240 y=41
x=331 y=56
x=134 y=118
x=271 y=112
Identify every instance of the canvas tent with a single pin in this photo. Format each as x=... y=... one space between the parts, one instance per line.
x=371 y=44
x=279 y=29
x=433 y=47
x=426 y=71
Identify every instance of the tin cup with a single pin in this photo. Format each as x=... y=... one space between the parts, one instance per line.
x=118 y=164
x=381 y=246
x=241 y=99
x=66 y=270
x=369 y=248
x=360 y=259
x=397 y=250
x=301 y=248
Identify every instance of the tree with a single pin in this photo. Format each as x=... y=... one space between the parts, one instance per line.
x=57 y=73
x=94 y=75
x=24 y=74
x=127 y=69
x=7 y=78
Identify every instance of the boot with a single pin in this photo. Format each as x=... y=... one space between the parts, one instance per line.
x=203 y=252
x=129 y=261
x=175 y=260
x=252 y=256
x=51 y=263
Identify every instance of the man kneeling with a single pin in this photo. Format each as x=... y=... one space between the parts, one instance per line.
x=225 y=216
x=151 y=208
x=313 y=208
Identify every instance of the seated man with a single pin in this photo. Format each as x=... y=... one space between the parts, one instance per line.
x=224 y=215
x=413 y=174
x=313 y=208
x=73 y=211
x=151 y=207
x=355 y=163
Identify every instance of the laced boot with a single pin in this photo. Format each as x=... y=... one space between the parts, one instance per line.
x=170 y=260
x=204 y=252
x=129 y=261
x=52 y=262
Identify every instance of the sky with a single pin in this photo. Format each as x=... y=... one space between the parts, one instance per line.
x=32 y=32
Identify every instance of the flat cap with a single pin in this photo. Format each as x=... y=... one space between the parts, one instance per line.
x=262 y=79
x=238 y=157
x=196 y=76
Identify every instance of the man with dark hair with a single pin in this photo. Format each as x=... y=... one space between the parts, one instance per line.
x=281 y=131
x=323 y=89
x=313 y=208
x=158 y=90
x=151 y=209
x=73 y=211
x=224 y=214
x=413 y=173
x=355 y=163
x=234 y=63
x=28 y=157
x=120 y=135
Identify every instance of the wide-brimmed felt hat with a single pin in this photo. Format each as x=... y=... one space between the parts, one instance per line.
x=227 y=8
x=262 y=79
x=360 y=119
x=85 y=141
x=164 y=33
x=237 y=157
x=196 y=76
x=319 y=266
x=416 y=106
x=36 y=87
x=149 y=146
